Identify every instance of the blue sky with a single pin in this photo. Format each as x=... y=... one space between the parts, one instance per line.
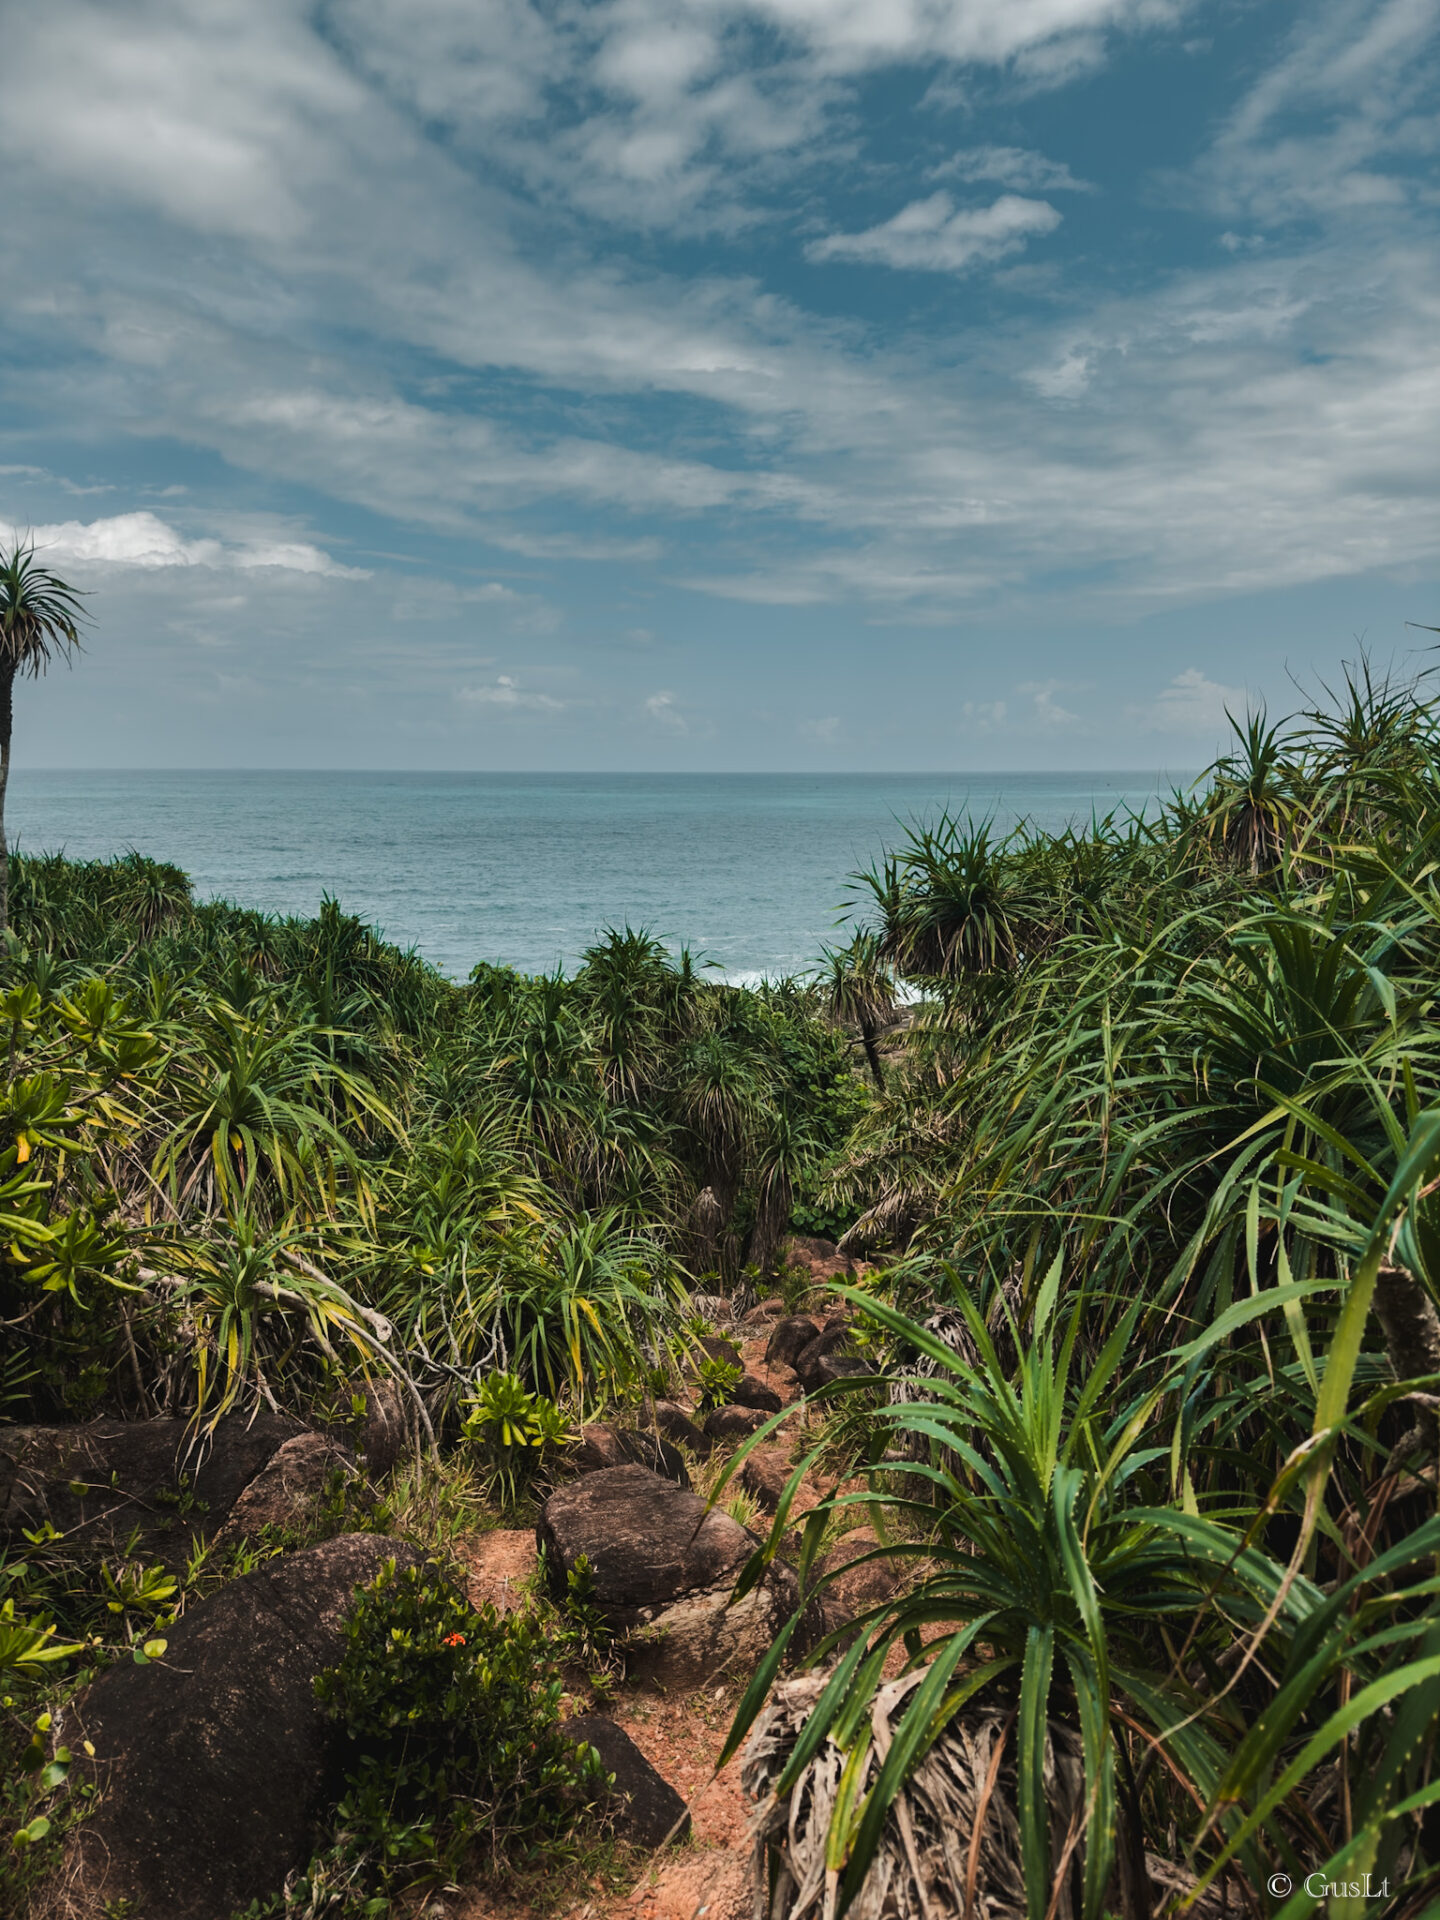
x=716 y=383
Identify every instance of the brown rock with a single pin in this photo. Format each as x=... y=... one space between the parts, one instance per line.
x=705 y=1637
x=733 y=1423
x=680 y=1429
x=789 y=1339
x=603 y=1446
x=752 y=1392
x=288 y=1488
x=857 y=1584
x=717 y=1347
x=213 y=1764
x=100 y=1482
x=835 y=1366
x=763 y=1475
x=822 y=1260
x=647 y=1541
x=830 y=1341
x=767 y=1310
x=644 y=1808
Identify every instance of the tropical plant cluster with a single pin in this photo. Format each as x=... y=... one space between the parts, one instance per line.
x=246 y=1160
x=1155 y=1183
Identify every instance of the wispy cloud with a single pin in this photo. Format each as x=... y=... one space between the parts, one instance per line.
x=505 y=692
x=663 y=710
x=1192 y=705
x=1017 y=167
x=936 y=236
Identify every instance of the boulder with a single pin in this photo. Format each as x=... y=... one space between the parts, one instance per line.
x=821 y=1260
x=214 y=1763
x=717 y=1347
x=733 y=1423
x=764 y=1473
x=764 y=1312
x=751 y=1391
x=824 y=1343
x=835 y=1366
x=644 y=1807
x=681 y=1430
x=603 y=1446
x=100 y=1482
x=789 y=1339
x=647 y=1541
x=706 y=1637
x=289 y=1487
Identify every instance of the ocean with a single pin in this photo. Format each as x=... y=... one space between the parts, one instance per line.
x=748 y=870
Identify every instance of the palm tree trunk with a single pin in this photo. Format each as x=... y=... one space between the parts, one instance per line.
x=7 y=711
x=872 y=1052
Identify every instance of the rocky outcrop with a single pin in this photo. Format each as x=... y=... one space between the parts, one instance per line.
x=751 y=1392
x=647 y=1541
x=644 y=1808
x=213 y=1764
x=733 y=1423
x=289 y=1487
x=102 y=1482
x=707 y=1637
x=601 y=1447
x=789 y=1339
x=678 y=1428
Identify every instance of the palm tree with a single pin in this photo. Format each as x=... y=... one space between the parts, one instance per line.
x=858 y=989
x=39 y=616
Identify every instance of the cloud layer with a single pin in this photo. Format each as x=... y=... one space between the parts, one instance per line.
x=538 y=327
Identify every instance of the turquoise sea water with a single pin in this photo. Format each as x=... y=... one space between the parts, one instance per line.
x=748 y=870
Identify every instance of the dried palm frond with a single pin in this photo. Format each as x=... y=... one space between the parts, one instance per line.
x=951 y=1842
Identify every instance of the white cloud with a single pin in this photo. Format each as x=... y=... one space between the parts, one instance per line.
x=664 y=710
x=828 y=729
x=1192 y=704
x=1017 y=167
x=144 y=540
x=935 y=236
x=504 y=692
x=1045 y=707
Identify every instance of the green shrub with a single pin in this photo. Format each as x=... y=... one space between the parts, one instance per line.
x=457 y=1751
x=716 y=1381
x=513 y=1431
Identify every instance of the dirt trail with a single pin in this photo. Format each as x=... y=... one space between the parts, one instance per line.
x=708 y=1876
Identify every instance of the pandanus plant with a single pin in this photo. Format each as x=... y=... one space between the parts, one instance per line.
x=40 y=617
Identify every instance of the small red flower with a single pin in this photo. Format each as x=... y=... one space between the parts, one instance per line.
x=453 y=1640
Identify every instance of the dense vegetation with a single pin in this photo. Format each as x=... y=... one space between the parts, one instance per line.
x=1160 y=1169
x=1147 y=1172
x=251 y=1159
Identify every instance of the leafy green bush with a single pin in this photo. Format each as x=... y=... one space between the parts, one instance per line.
x=457 y=1750
x=716 y=1381
x=513 y=1431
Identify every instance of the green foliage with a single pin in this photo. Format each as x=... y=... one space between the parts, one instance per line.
x=513 y=1432
x=1153 y=1186
x=716 y=1380
x=457 y=1753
